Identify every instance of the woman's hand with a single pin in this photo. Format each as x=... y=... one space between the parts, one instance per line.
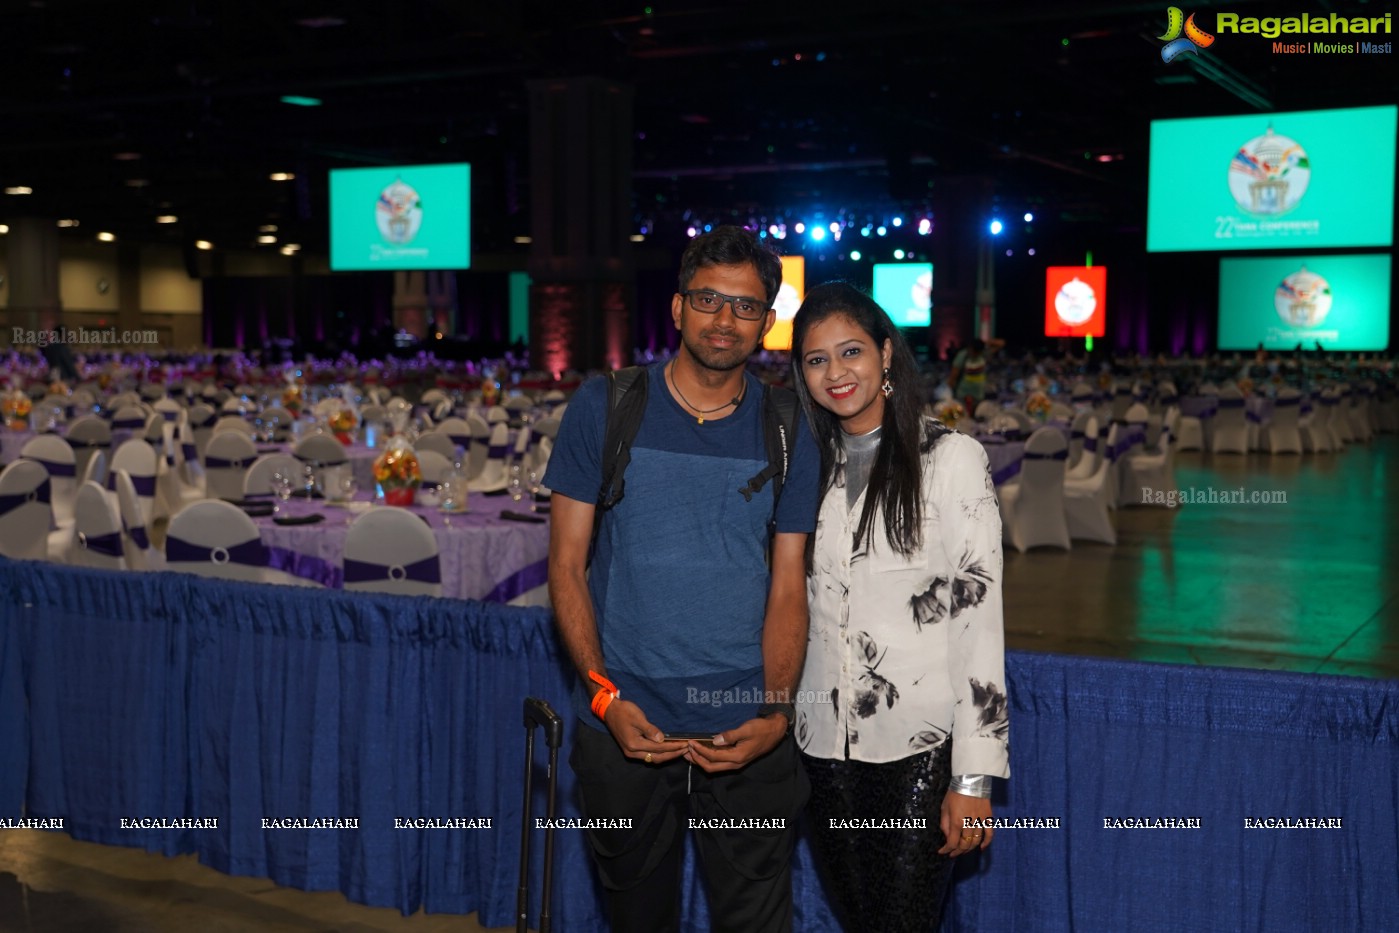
x=957 y=810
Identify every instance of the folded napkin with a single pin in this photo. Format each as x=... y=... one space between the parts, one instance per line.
x=269 y=450
x=495 y=492
x=541 y=510
x=298 y=519
x=521 y=517
x=258 y=509
x=306 y=494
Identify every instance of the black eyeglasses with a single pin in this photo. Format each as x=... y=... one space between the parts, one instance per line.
x=707 y=302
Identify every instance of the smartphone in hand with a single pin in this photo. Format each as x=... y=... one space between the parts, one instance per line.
x=706 y=738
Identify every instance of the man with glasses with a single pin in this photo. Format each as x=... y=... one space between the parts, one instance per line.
x=686 y=623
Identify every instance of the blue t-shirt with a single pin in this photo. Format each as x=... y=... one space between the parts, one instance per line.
x=679 y=581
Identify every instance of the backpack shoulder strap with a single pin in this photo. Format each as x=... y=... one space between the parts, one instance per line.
x=626 y=404
x=780 y=413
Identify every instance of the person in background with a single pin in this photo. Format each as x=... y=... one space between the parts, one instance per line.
x=690 y=618
x=902 y=711
x=968 y=377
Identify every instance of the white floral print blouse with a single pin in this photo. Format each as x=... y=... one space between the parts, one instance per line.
x=907 y=652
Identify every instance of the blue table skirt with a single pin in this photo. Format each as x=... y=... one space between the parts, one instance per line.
x=144 y=696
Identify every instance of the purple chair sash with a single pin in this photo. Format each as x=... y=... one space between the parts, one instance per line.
x=1057 y=455
x=220 y=463
x=170 y=415
x=145 y=485
x=206 y=423
x=190 y=452
x=137 y=535
x=1090 y=444
x=1231 y=403
x=1288 y=402
x=312 y=462
x=128 y=424
x=87 y=445
x=108 y=544
x=249 y=553
x=427 y=570
x=498 y=453
x=460 y=440
x=40 y=493
x=56 y=469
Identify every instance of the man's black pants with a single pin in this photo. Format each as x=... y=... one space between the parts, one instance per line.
x=748 y=872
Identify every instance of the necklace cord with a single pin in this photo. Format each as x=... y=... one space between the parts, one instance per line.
x=670 y=371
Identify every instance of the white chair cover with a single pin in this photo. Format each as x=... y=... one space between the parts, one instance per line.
x=135 y=523
x=87 y=435
x=433 y=465
x=139 y=460
x=391 y=550
x=1032 y=511
x=226 y=462
x=216 y=539
x=25 y=511
x=1087 y=496
x=257 y=481
x=493 y=473
x=97 y=536
x=235 y=424
x=1284 y=431
x=55 y=455
x=1231 y=423
x=437 y=442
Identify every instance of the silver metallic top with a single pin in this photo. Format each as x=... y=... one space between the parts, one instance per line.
x=860 y=451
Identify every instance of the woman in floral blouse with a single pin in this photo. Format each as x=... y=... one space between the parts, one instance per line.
x=902 y=714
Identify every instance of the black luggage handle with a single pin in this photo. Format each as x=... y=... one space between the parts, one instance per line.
x=538 y=713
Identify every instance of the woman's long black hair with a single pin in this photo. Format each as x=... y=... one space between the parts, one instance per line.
x=895 y=483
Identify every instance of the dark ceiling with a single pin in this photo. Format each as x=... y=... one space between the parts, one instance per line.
x=118 y=111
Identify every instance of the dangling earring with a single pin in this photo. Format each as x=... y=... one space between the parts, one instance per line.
x=888 y=387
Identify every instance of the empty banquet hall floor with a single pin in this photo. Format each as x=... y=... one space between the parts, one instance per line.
x=1307 y=585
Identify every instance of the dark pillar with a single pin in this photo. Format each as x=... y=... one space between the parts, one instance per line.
x=583 y=281
x=32 y=247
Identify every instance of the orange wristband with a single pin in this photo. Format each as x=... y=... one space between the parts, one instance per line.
x=604 y=697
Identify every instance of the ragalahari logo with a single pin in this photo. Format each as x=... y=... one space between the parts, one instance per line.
x=1175 y=42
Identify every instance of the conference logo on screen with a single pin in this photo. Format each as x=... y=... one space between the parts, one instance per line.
x=1303 y=299
x=1075 y=302
x=1182 y=35
x=1269 y=174
x=398 y=213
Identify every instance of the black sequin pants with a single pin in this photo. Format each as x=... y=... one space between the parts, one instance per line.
x=883 y=880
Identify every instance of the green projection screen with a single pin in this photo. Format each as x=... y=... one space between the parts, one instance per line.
x=1302 y=180
x=1281 y=301
x=400 y=217
x=905 y=291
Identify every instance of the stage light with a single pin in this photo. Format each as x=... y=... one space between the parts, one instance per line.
x=865 y=231
x=772 y=229
x=1029 y=217
x=925 y=226
x=524 y=240
x=638 y=238
x=67 y=223
x=1032 y=251
x=881 y=230
x=708 y=227
x=835 y=227
x=167 y=219
x=996 y=228
x=203 y=244
x=800 y=227
x=19 y=189
x=855 y=255
x=267 y=239
x=898 y=254
x=106 y=237
x=4 y=229
x=267 y=228
x=296 y=100
x=818 y=234
x=282 y=176
x=898 y=221
x=1010 y=252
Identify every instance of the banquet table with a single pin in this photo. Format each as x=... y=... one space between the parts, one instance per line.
x=1006 y=456
x=483 y=556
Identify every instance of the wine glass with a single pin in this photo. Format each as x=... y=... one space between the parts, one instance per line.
x=308 y=481
x=517 y=491
x=347 y=486
x=534 y=481
x=281 y=488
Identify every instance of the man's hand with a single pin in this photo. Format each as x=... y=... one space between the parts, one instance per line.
x=737 y=747
x=636 y=737
x=961 y=840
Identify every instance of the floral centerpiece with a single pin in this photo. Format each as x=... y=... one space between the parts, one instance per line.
x=1246 y=386
x=397 y=472
x=293 y=399
x=14 y=409
x=343 y=421
x=1037 y=405
x=490 y=390
x=949 y=411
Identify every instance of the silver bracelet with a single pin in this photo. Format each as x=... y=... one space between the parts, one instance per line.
x=971 y=785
